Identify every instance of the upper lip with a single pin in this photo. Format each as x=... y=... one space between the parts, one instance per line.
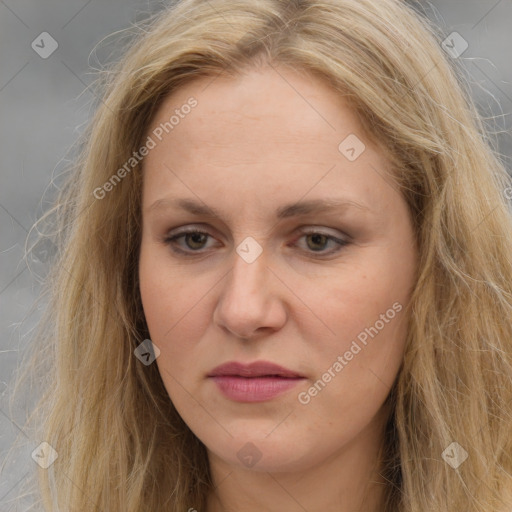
x=256 y=369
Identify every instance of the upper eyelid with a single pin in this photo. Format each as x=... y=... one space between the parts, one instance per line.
x=207 y=230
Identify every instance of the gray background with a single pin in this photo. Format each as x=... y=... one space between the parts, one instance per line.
x=44 y=104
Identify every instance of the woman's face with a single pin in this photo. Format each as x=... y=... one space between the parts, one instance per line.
x=306 y=261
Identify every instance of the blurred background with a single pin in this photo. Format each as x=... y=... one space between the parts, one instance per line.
x=48 y=51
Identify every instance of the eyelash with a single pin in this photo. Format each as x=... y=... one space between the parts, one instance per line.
x=170 y=241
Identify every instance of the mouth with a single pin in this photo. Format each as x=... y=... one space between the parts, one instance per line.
x=256 y=382
x=258 y=369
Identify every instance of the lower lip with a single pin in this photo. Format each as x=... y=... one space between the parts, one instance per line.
x=255 y=389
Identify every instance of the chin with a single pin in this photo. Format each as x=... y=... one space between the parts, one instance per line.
x=265 y=453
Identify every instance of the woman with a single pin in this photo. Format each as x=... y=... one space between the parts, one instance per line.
x=257 y=370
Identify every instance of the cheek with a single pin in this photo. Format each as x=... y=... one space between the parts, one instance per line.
x=152 y=291
x=176 y=310
x=357 y=296
x=160 y=311
x=366 y=313
x=375 y=278
x=166 y=295
x=158 y=290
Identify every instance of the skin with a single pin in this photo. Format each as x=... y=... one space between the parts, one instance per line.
x=253 y=144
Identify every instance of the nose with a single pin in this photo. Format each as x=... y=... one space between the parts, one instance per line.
x=250 y=303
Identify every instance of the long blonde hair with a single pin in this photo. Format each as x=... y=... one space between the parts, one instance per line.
x=121 y=444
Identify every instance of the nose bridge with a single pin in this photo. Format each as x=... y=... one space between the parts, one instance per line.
x=245 y=303
x=249 y=269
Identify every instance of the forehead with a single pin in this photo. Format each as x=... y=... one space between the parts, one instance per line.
x=262 y=106
x=267 y=131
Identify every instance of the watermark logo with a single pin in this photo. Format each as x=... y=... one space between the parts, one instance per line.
x=454 y=455
x=44 y=45
x=249 y=249
x=249 y=455
x=351 y=147
x=454 y=45
x=44 y=455
x=146 y=352
x=44 y=250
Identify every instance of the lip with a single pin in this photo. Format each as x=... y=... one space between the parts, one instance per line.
x=256 y=369
x=255 y=382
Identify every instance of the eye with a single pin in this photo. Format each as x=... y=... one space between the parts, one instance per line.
x=193 y=238
x=195 y=241
x=316 y=241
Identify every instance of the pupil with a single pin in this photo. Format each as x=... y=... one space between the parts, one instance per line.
x=316 y=236
x=197 y=238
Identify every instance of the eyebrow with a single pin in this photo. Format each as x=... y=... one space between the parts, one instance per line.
x=313 y=206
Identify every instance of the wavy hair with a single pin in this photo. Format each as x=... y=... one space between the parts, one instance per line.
x=121 y=444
